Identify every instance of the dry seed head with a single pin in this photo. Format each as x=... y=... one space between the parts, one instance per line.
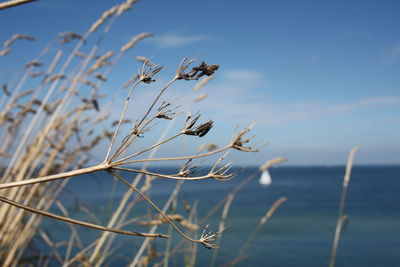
x=4 y=52
x=23 y=94
x=125 y=6
x=196 y=72
x=180 y=71
x=4 y=155
x=172 y=217
x=101 y=118
x=190 y=122
x=203 y=82
x=36 y=74
x=203 y=69
x=15 y=37
x=163 y=113
x=133 y=78
x=187 y=169
x=200 y=97
x=200 y=130
x=349 y=166
x=87 y=82
x=222 y=173
x=103 y=18
x=134 y=40
x=95 y=104
x=272 y=210
x=208 y=236
x=5 y=89
x=67 y=37
x=188 y=225
x=79 y=54
x=151 y=223
x=101 y=61
x=34 y=63
x=124 y=121
x=239 y=143
x=207 y=147
x=54 y=78
x=146 y=61
x=146 y=74
x=271 y=162
x=100 y=77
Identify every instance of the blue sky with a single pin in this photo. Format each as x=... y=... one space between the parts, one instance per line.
x=318 y=77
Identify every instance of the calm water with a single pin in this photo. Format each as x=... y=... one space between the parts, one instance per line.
x=300 y=233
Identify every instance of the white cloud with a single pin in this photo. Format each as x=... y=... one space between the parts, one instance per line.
x=392 y=55
x=240 y=98
x=315 y=56
x=249 y=77
x=173 y=39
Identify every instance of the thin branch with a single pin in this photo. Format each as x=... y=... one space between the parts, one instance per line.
x=126 y=142
x=149 y=148
x=172 y=176
x=69 y=220
x=13 y=3
x=121 y=118
x=54 y=177
x=341 y=216
x=118 y=163
x=166 y=218
x=263 y=220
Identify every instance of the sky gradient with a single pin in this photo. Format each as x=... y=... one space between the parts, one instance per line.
x=318 y=77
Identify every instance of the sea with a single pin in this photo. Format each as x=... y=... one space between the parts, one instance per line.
x=299 y=233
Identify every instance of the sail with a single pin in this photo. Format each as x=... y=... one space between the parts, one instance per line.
x=265 y=178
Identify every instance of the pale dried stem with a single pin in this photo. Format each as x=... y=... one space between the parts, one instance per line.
x=341 y=215
x=54 y=176
x=263 y=220
x=222 y=226
x=167 y=204
x=118 y=163
x=122 y=205
x=127 y=141
x=69 y=220
x=147 y=149
x=156 y=99
x=173 y=176
x=166 y=218
x=13 y=3
x=51 y=244
x=28 y=132
x=121 y=119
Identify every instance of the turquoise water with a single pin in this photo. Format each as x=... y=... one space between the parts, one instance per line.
x=300 y=233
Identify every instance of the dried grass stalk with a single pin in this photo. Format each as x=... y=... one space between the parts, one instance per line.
x=107 y=14
x=134 y=40
x=125 y=6
x=200 y=97
x=203 y=82
x=13 y=3
x=271 y=162
x=16 y=37
x=5 y=52
x=341 y=216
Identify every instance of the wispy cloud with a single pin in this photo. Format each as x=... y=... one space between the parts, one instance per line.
x=174 y=39
x=392 y=54
x=243 y=76
x=315 y=56
x=240 y=97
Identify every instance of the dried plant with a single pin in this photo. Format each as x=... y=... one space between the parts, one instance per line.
x=341 y=216
x=13 y=3
x=60 y=126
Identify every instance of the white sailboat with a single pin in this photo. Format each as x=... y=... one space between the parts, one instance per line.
x=265 y=178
